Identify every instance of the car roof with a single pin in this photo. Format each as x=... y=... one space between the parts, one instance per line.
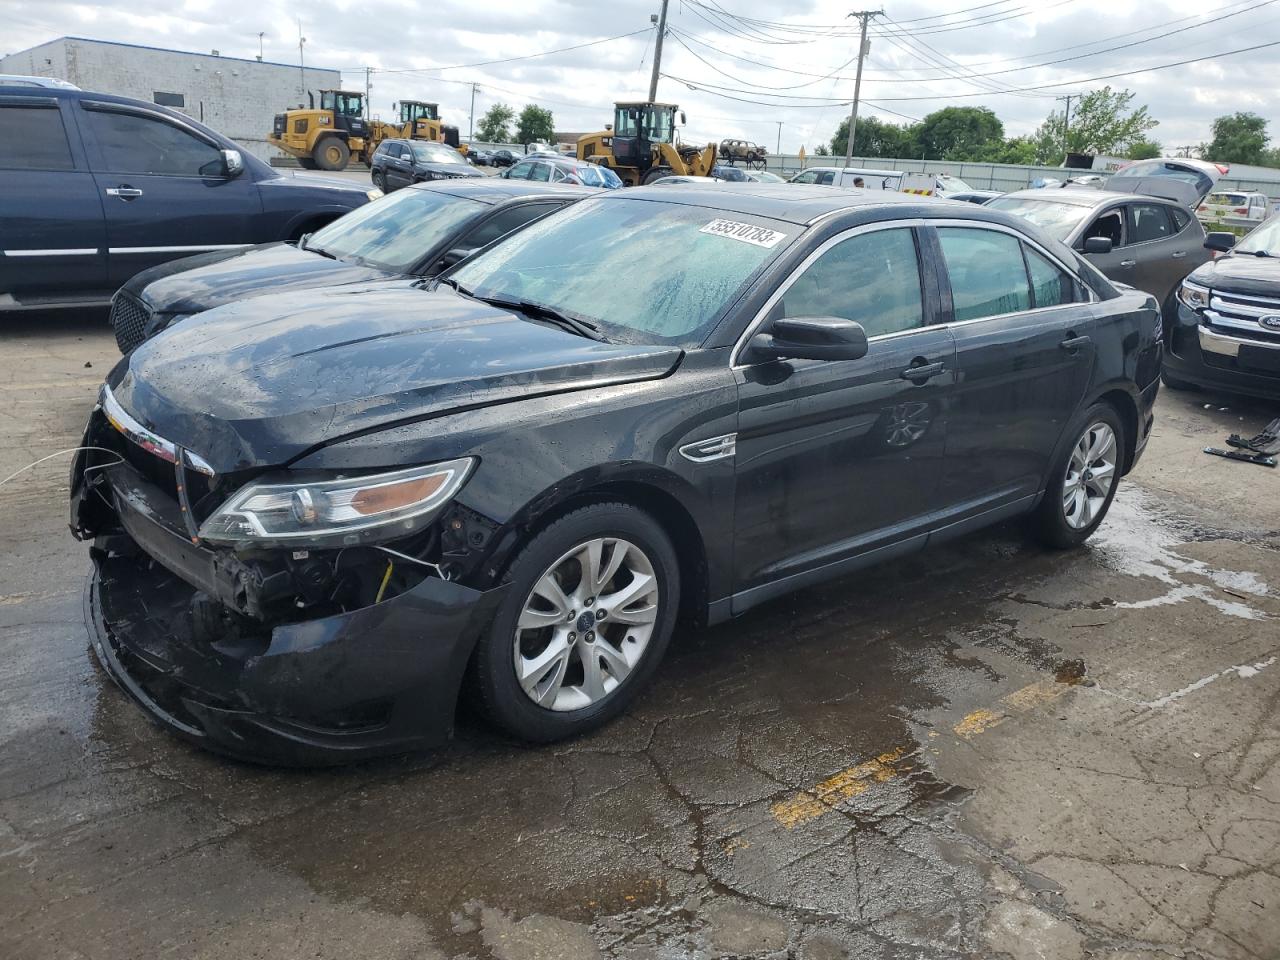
x=1087 y=196
x=46 y=83
x=789 y=202
x=495 y=190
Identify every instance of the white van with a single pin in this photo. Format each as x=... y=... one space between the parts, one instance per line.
x=845 y=177
x=933 y=184
x=1234 y=205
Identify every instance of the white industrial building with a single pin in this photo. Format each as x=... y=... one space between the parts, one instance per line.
x=236 y=97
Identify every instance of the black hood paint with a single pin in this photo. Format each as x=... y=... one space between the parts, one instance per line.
x=212 y=279
x=1241 y=273
x=269 y=378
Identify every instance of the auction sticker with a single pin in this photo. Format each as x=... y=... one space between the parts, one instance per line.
x=746 y=232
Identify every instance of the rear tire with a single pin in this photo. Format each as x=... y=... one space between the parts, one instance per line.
x=331 y=154
x=534 y=693
x=380 y=180
x=1083 y=482
x=657 y=173
x=306 y=163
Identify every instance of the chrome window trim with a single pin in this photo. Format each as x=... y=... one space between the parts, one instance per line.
x=64 y=252
x=758 y=320
x=192 y=249
x=1245 y=298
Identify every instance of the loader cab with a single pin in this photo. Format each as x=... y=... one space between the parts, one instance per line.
x=637 y=127
x=347 y=109
x=411 y=111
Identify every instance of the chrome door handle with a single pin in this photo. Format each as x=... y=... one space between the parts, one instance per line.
x=124 y=193
x=1128 y=263
x=921 y=372
x=1178 y=255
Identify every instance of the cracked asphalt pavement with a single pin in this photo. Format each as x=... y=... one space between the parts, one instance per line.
x=986 y=751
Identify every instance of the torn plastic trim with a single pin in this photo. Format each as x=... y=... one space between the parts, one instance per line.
x=148 y=440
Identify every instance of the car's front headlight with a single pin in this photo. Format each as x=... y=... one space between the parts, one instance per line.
x=373 y=194
x=353 y=510
x=1193 y=295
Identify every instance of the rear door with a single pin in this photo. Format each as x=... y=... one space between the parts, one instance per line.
x=1163 y=248
x=1024 y=355
x=52 y=235
x=161 y=186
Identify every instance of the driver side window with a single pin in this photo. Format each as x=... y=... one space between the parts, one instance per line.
x=135 y=144
x=1110 y=225
x=873 y=278
x=809 y=176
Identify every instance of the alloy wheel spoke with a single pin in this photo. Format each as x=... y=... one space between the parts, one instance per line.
x=549 y=590
x=617 y=555
x=532 y=670
x=592 y=674
x=617 y=662
x=623 y=605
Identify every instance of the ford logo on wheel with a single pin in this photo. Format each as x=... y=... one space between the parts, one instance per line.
x=1271 y=321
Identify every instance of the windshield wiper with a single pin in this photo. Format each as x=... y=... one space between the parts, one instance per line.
x=320 y=250
x=565 y=321
x=452 y=283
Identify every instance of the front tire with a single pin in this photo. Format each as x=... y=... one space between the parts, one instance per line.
x=657 y=173
x=589 y=612
x=1083 y=483
x=380 y=180
x=331 y=154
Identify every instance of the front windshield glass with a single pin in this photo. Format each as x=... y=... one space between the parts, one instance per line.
x=1054 y=217
x=394 y=233
x=644 y=271
x=435 y=153
x=1264 y=239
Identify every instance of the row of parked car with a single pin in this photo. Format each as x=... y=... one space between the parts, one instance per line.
x=513 y=431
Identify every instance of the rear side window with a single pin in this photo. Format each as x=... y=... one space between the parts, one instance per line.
x=136 y=144
x=873 y=278
x=33 y=138
x=1180 y=218
x=1147 y=222
x=1050 y=284
x=988 y=277
x=520 y=171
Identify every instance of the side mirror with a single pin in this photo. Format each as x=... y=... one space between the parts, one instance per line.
x=683 y=119
x=302 y=241
x=1098 y=245
x=1222 y=242
x=456 y=255
x=810 y=338
x=232 y=163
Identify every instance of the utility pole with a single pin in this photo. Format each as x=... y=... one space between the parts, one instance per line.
x=1066 y=122
x=260 y=36
x=657 y=52
x=778 y=151
x=302 y=65
x=471 y=126
x=864 y=17
x=367 y=87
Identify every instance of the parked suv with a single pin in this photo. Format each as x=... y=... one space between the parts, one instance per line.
x=97 y=188
x=1227 y=333
x=313 y=520
x=398 y=163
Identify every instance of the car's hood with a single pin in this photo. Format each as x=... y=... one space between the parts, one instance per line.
x=272 y=377
x=209 y=280
x=450 y=169
x=1241 y=273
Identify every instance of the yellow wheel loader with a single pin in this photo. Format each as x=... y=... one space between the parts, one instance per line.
x=643 y=145
x=325 y=138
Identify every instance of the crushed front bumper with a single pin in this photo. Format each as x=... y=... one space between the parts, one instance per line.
x=379 y=679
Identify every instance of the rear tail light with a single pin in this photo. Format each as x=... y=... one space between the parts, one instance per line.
x=1242 y=210
x=1223 y=168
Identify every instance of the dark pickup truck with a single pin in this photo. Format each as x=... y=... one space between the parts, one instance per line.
x=98 y=187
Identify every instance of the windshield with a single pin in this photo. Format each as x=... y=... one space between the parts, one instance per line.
x=435 y=153
x=645 y=271
x=654 y=123
x=1265 y=239
x=1054 y=217
x=394 y=233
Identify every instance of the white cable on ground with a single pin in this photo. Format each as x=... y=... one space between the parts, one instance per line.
x=37 y=463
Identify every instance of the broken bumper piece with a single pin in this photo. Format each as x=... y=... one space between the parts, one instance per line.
x=377 y=680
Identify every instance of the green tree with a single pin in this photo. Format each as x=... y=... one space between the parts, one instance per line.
x=1143 y=149
x=1020 y=150
x=495 y=124
x=873 y=138
x=1238 y=138
x=1103 y=122
x=535 y=125
x=958 y=133
x=821 y=150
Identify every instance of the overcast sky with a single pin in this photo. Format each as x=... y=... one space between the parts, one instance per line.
x=916 y=60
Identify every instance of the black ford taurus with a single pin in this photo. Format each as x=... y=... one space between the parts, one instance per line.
x=312 y=522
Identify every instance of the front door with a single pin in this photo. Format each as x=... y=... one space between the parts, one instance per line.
x=1024 y=356
x=163 y=190
x=837 y=458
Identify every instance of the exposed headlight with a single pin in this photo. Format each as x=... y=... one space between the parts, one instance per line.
x=354 y=510
x=1193 y=295
x=373 y=194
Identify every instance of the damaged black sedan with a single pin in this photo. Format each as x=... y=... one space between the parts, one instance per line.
x=319 y=521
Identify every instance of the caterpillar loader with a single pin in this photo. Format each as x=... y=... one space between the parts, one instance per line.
x=643 y=145
x=325 y=138
x=419 y=120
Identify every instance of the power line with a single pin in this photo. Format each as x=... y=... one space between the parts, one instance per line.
x=527 y=56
